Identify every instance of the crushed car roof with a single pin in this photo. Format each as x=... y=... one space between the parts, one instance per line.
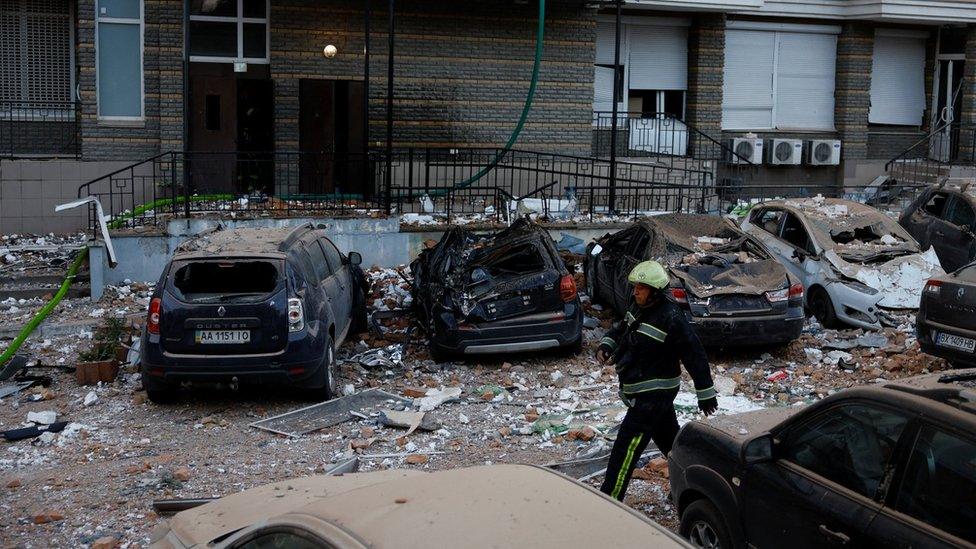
x=249 y=241
x=487 y=506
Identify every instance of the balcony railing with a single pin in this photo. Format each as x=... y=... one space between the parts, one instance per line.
x=39 y=129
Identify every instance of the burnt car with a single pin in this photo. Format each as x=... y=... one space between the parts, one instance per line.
x=249 y=306
x=946 y=320
x=731 y=288
x=376 y=510
x=890 y=465
x=856 y=263
x=501 y=293
x=944 y=217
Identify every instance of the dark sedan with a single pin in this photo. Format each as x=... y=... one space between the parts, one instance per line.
x=732 y=290
x=882 y=466
x=946 y=321
x=252 y=306
x=504 y=293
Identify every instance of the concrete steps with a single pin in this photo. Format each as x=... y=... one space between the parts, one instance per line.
x=29 y=286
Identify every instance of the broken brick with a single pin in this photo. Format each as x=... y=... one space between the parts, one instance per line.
x=181 y=474
x=414 y=392
x=417 y=459
x=107 y=542
x=44 y=517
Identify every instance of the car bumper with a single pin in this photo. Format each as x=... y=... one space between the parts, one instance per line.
x=299 y=363
x=855 y=308
x=924 y=331
x=525 y=333
x=747 y=331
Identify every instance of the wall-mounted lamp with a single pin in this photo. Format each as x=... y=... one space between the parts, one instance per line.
x=330 y=51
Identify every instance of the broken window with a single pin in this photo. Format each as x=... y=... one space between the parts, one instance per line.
x=768 y=220
x=935 y=204
x=795 y=234
x=225 y=281
x=519 y=260
x=849 y=445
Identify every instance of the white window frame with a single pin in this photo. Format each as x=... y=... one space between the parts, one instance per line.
x=239 y=20
x=142 y=62
x=778 y=29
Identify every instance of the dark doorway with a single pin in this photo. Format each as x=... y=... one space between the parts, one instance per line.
x=331 y=138
x=231 y=130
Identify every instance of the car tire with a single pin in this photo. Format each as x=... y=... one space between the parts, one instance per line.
x=573 y=348
x=440 y=355
x=159 y=392
x=330 y=386
x=360 y=320
x=704 y=526
x=823 y=308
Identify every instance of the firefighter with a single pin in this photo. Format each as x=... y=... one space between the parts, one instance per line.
x=645 y=348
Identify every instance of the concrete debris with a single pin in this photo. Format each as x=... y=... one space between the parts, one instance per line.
x=46 y=417
x=408 y=420
x=90 y=398
x=436 y=397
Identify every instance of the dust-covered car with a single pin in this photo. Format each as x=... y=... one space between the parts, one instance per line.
x=944 y=217
x=946 y=321
x=854 y=261
x=888 y=465
x=252 y=306
x=476 y=507
x=503 y=293
x=732 y=289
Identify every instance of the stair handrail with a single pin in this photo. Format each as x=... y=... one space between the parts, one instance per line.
x=926 y=138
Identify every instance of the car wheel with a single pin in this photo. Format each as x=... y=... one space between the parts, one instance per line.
x=823 y=308
x=703 y=525
x=573 y=348
x=159 y=392
x=330 y=385
x=439 y=355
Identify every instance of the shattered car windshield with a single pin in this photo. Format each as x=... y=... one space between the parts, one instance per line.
x=224 y=281
x=508 y=260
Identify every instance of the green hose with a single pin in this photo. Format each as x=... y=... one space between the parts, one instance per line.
x=39 y=317
x=539 y=39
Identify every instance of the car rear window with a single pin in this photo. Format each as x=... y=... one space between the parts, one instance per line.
x=526 y=258
x=225 y=281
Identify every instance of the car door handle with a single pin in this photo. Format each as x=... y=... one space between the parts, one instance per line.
x=839 y=537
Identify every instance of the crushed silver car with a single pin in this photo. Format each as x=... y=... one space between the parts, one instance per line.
x=854 y=261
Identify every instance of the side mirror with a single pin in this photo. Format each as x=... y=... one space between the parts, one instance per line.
x=355 y=258
x=595 y=251
x=758 y=449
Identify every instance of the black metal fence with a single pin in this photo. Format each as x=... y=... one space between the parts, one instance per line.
x=39 y=128
x=949 y=150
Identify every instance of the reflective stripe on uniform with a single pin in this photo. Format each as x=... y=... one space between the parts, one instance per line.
x=659 y=384
x=628 y=318
x=625 y=466
x=652 y=332
x=707 y=393
x=609 y=342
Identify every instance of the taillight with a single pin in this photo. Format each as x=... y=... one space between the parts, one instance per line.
x=796 y=291
x=567 y=288
x=933 y=287
x=155 y=313
x=296 y=315
x=680 y=295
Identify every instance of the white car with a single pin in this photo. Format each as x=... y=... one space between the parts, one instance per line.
x=854 y=261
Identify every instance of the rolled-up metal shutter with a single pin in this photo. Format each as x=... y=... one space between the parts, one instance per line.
x=898 y=78
x=658 y=58
x=35 y=51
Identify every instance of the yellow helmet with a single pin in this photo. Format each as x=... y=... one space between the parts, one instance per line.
x=650 y=273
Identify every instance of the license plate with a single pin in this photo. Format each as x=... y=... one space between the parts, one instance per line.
x=956 y=342
x=218 y=337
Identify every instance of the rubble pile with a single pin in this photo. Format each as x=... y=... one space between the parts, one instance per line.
x=37 y=254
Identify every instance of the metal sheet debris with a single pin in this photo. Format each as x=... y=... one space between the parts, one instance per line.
x=326 y=414
x=8 y=389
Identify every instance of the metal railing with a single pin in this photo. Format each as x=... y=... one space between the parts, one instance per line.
x=39 y=128
x=946 y=151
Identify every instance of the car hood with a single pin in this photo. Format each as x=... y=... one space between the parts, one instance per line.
x=747 y=424
x=900 y=280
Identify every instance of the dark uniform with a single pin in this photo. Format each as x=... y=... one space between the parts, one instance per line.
x=646 y=347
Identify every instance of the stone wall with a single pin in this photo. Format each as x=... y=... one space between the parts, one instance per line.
x=706 y=63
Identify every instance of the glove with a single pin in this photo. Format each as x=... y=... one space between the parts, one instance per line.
x=708 y=406
x=603 y=354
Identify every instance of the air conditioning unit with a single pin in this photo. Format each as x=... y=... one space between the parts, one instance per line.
x=823 y=152
x=785 y=151
x=746 y=149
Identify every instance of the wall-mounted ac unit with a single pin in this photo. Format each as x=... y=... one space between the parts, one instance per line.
x=746 y=149
x=823 y=152
x=784 y=151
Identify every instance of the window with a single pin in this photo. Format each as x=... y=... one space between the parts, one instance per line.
x=935 y=204
x=960 y=213
x=283 y=540
x=768 y=220
x=35 y=53
x=225 y=31
x=779 y=79
x=795 y=234
x=118 y=43
x=331 y=254
x=939 y=483
x=318 y=260
x=898 y=78
x=850 y=445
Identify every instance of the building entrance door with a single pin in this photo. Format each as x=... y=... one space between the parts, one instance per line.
x=331 y=138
